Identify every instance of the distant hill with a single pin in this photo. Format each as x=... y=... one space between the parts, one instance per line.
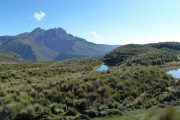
x=167 y=46
x=149 y=54
x=52 y=44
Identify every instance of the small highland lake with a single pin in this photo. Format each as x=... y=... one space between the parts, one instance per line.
x=174 y=73
x=102 y=68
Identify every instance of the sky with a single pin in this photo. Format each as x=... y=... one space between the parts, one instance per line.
x=99 y=21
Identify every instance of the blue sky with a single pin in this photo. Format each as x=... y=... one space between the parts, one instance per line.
x=99 y=21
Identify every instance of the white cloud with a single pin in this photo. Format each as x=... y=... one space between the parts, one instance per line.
x=97 y=38
x=152 y=39
x=94 y=35
x=141 y=39
x=39 y=15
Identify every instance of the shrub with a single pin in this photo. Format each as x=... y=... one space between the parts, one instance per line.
x=27 y=113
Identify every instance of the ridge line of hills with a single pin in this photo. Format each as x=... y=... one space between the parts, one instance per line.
x=147 y=54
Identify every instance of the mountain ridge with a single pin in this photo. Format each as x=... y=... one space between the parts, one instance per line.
x=51 y=44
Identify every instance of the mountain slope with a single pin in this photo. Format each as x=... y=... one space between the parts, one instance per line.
x=14 y=44
x=67 y=45
x=9 y=56
x=52 y=44
x=82 y=49
x=26 y=47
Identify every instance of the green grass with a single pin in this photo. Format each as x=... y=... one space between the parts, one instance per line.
x=72 y=88
x=133 y=115
x=146 y=114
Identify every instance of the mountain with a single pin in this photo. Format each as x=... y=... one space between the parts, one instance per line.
x=149 y=54
x=52 y=44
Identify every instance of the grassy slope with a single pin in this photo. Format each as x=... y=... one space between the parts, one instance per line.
x=69 y=88
x=133 y=115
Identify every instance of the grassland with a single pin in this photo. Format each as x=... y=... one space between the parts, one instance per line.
x=72 y=89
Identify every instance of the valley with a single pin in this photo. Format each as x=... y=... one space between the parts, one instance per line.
x=90 y=60
x=73 y=89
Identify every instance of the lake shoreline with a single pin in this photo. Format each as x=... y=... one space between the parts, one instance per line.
x=170 y=66
x=166 y=69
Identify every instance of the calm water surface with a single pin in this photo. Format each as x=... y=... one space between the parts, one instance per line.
x=174 y=73
x=102 y=68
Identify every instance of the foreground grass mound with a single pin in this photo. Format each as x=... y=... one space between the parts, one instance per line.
x=72 y=89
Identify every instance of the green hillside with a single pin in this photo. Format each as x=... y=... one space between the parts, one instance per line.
x=168 y=46
x=149 y=54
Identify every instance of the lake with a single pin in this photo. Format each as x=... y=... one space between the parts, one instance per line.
x=102 y=68
x=174 y=73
